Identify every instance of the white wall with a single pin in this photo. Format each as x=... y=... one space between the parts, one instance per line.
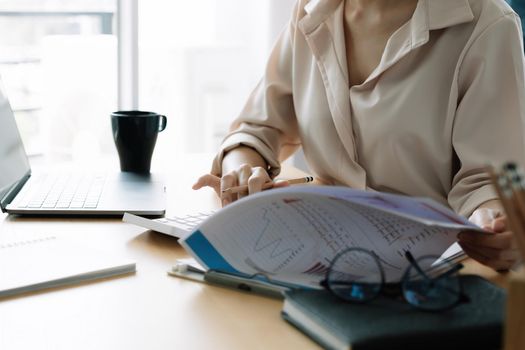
x=199 y=61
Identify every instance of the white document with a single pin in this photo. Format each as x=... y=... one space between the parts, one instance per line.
x=44 y=262
x=292 y=234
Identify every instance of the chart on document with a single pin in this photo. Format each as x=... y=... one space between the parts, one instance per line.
x=295 y=234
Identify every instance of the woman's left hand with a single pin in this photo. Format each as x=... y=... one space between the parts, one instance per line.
x=496 y=247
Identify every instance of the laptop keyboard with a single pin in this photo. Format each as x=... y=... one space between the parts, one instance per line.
x=64 y=191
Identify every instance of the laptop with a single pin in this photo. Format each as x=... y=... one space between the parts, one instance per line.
x=100 y=193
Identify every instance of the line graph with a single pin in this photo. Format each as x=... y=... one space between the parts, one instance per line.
x=274 y=244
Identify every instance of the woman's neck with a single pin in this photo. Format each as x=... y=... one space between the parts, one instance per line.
x=375 y=4
x=379 y=11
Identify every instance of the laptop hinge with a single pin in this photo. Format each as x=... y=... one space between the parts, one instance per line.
x=13 y=191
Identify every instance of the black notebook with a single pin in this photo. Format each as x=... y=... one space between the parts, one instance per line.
x=387 y=323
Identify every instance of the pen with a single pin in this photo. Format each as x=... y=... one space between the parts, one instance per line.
x=246 y=284
x=244 y=188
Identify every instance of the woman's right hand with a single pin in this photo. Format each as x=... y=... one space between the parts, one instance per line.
x=245 y=174
x=240 y=166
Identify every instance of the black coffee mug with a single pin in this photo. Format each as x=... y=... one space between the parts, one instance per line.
x=135 y=135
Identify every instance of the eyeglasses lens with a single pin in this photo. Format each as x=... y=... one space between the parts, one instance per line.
x=355 y=275
x=436 y=288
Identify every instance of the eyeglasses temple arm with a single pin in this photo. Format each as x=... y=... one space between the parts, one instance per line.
x=413 y=262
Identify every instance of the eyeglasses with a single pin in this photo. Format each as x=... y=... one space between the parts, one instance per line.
x=357 y=275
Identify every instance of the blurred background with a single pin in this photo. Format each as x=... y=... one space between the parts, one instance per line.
x=67 y=64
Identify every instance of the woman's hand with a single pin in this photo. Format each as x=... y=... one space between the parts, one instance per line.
x=245 y=174
x=240 y=166
x=497 y=246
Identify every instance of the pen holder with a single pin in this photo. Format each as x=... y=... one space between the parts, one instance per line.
x=515 y=315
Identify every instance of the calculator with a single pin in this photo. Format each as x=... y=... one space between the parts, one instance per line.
x=176 y=226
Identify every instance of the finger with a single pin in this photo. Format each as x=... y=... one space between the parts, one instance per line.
x=481 y=256
x=245 y=171
x=474 y=254
x=228 y=180
x=207 y=180
x=502 y=240
x=494 y=254
x=499 y=224
x=498 y=265
x=281 y=183
x=257 y=180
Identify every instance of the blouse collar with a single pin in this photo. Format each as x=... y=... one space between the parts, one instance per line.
x=429 y=15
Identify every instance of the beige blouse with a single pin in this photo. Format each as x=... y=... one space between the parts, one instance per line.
x=446 y=99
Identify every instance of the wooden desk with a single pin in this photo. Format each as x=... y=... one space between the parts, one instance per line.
x=148 y=310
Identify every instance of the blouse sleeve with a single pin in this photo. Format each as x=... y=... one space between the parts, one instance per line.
x=267 y=122
x=489 y=122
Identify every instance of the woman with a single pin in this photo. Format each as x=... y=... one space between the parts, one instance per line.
x=405 y=96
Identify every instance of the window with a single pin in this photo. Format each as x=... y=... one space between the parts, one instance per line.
x=197 y=63
x=58 y=66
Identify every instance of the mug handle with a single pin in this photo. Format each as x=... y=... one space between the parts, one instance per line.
x=163 y=123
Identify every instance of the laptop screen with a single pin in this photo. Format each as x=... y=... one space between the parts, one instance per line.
x=14 y=164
